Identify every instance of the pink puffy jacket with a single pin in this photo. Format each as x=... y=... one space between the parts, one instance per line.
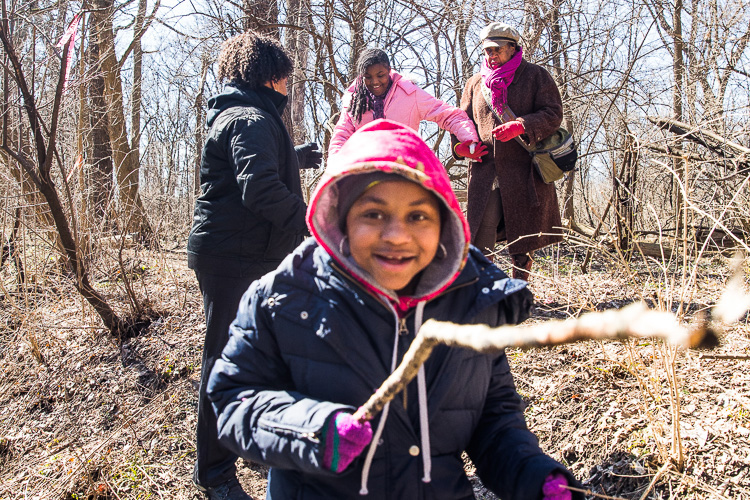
x=409 y=104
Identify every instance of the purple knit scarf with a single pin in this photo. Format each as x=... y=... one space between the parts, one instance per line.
x=498 y=79
x=378 y=103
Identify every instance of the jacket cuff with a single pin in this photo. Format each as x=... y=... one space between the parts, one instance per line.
x=455 y=142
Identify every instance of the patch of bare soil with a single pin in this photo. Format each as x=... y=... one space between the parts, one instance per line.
x=84 y=418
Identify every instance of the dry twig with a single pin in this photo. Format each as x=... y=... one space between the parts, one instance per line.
x=635 y=320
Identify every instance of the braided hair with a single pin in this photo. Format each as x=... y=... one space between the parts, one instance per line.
x=361 y=97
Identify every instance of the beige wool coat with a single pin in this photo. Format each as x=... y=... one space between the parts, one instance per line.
x=530 y=208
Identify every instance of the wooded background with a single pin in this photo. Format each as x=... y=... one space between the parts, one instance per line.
x=655 y=93
x=102 y=122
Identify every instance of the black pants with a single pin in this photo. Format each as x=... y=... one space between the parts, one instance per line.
x=221 y=297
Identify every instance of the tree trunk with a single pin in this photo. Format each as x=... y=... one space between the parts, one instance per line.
x=623 y=186
x=261 y=16
x=126 y=161
x=200 y=118
x=136 y=92
x=99 y=167
x=677 y=93
x=568 y=210
x=462 y=29
x=357 y=16
x=297 y=46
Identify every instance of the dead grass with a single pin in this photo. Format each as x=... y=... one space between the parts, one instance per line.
x=81 y=418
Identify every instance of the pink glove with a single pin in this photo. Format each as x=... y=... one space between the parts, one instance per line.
x=508 y=131
x=554 y=488
x=464 y=149
x=345 y=440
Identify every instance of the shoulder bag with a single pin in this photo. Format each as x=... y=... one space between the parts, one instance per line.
x=552 y=156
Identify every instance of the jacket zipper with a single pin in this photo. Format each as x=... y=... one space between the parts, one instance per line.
x=402 y=328
x=276 y=428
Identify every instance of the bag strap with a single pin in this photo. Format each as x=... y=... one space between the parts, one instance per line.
x=499 y=116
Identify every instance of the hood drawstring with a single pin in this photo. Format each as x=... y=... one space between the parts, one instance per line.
x=424 y=426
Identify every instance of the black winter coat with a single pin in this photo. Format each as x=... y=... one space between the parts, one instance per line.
x=251 y=208
x=308 y=341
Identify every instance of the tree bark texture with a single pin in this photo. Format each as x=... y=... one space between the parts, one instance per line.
x=99 y=168
x=126 y=161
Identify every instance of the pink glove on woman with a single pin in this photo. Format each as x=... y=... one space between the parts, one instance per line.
x=464 y=149
x=508 y=131
x=345 y=440
x=554 y=488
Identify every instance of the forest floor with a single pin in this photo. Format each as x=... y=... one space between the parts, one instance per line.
x=82 y=417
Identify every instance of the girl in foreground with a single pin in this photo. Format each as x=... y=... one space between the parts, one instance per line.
x=315 y=338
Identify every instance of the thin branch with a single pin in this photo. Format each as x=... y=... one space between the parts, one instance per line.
x=139 y=34
x=635 y=320
x=49 y=156
x=28 y=98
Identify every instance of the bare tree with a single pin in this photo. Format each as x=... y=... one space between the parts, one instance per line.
x=124 y=152
x=38 y=164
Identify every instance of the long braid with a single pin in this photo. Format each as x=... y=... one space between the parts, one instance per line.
x=361 y=97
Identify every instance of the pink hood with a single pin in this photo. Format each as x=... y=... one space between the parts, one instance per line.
x=390 y=147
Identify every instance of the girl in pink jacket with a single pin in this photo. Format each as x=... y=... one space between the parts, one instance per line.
x=380 y=92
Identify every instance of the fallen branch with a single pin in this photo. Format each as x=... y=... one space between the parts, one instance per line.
x=635 y=320
x=698 y=135
x=725 y=356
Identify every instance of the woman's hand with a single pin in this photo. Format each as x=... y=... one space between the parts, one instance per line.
x=465 y=149
x=308 y=155
x=345 y=438
x=508 y=131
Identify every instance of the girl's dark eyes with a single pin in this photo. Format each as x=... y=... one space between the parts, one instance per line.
x=413 y=217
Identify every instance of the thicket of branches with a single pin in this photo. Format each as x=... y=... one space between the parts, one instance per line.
x=656 y=95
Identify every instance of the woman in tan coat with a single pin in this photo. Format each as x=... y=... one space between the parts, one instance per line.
x=507 y=200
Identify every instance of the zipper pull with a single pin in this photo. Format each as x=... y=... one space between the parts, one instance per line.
x=403 y=329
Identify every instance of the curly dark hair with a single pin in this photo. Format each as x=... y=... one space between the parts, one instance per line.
x=253 y=59
x=361 y=98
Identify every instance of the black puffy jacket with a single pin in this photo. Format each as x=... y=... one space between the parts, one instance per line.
x=251 y=208
x=309 y=341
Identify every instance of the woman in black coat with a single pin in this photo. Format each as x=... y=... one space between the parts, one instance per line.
x=250 y=214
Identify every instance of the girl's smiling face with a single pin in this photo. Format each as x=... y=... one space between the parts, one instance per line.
x=377 y=77
x=394 y=232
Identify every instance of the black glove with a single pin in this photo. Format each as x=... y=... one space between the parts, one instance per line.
x=308 y=155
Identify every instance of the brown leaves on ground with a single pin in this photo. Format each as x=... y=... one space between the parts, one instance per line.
x=83 y=418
